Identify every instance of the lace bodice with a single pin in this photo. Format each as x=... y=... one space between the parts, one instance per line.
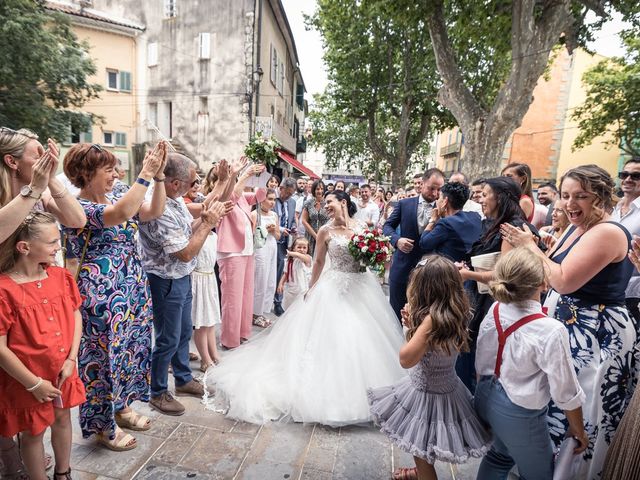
x=435 y=373
x=339 y=256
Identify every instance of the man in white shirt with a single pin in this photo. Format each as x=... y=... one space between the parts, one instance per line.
x=368 y=212
x=470 y=205
x=627 y=213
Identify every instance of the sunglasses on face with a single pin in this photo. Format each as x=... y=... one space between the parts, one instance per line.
x=635 y=176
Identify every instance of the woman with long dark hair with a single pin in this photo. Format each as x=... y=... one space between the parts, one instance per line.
x=501 y=205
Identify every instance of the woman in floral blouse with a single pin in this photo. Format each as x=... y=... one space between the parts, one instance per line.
x=115 y=349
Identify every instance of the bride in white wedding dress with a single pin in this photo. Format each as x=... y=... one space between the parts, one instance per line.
x=317 y=362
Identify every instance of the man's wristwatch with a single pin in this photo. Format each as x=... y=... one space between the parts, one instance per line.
x=27 y=191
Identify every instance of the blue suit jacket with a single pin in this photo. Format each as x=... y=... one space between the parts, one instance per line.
x=453 y=236
x=290 y=205
x=405 y=215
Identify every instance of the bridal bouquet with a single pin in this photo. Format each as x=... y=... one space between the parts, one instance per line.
x=371 y=249
x=262 y=150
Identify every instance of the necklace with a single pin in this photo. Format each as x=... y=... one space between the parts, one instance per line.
x=22 y=275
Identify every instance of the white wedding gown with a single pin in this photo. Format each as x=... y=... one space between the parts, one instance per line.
x=317 y=362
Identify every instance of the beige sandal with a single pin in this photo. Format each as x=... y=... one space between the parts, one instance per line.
x=204 y=367
x=262 y=322
x=133 y=421
x=121 y=443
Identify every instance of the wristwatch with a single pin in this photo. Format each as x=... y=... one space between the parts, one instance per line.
x=27 y=191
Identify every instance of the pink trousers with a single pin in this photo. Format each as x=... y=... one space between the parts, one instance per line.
x=236 y=276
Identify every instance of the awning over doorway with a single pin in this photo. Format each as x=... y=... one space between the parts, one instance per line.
x=291 y=160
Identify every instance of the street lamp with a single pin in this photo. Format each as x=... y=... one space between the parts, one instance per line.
x=258 y=74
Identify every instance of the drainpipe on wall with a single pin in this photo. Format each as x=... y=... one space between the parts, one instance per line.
x=256 y=63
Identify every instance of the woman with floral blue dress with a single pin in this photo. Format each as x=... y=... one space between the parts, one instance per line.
x=115 y=349
x=588 y=271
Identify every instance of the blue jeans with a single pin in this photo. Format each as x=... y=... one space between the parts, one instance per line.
x=172 y=327
x=520 y=435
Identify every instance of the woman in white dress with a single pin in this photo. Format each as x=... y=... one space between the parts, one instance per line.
x=317 y=362
x=266 y=259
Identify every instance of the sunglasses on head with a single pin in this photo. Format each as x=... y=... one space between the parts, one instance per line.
x=9 y=130
x=94 y=146
x=635 y=176
x=25 y=133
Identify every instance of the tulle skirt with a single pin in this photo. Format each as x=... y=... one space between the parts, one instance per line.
x=431 y=426
x=317 y=362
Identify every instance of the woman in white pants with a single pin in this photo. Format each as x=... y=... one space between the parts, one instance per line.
x=266 y=259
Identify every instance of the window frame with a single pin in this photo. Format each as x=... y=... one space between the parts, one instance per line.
x=104 y=138
x=117 y=74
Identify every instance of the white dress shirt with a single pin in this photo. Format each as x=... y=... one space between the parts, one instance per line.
x=631 y=221
x=368 y=213
x=536 y=360
x=471 y=206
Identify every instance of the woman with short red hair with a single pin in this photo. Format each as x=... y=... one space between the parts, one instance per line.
x=115 y=350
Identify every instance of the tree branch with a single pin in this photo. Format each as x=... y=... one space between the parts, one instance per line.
x=454 y=95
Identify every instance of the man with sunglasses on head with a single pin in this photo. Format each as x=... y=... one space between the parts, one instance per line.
x=169 y=246
x=627 y=213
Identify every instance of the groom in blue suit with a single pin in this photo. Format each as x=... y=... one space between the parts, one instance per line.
x=412 y=216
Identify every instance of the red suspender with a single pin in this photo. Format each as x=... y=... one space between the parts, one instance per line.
x=503 y=334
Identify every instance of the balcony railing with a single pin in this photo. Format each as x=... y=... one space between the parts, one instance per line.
x=450 y=149
x=284 y=137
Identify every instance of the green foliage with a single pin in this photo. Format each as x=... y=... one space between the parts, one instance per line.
x=343 y=139
x=43 y=71
x=381 y=101
x=612 y=102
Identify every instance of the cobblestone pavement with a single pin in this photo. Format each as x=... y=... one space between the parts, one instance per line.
x=203 y=444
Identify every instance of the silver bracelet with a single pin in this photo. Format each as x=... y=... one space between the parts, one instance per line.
x=60 y=194
x=35 y=387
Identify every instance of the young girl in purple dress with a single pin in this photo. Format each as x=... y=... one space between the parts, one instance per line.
x=429 y=414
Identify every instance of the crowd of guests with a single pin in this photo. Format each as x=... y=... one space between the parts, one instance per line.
x=177 y=254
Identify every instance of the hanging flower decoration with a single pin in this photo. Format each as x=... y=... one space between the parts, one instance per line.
x=262 y=150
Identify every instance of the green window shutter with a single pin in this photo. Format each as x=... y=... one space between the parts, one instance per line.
x=87 y=136
x=121 y=139
x=300 y=96
x=125 y=81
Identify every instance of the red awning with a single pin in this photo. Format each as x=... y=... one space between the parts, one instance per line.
x=291 y=160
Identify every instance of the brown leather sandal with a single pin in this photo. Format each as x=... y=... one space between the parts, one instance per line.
x=405 y=473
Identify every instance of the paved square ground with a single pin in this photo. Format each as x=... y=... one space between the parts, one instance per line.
x=203 y=444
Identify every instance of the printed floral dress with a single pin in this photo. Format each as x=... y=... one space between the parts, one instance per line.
x=605 y=350
x=115 y=350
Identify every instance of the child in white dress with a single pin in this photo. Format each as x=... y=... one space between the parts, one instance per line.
x=297 y=272
x=266 y=260
x=205 y=310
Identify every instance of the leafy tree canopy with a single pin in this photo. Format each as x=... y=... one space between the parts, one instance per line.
x=43 y=71
x=613 y=101
x=381 y=103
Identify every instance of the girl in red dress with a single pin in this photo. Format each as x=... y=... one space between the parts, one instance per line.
x=40 y=327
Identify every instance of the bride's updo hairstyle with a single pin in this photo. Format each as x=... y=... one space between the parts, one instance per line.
x=340 y=196
x=436 y=289
x=518 y=275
